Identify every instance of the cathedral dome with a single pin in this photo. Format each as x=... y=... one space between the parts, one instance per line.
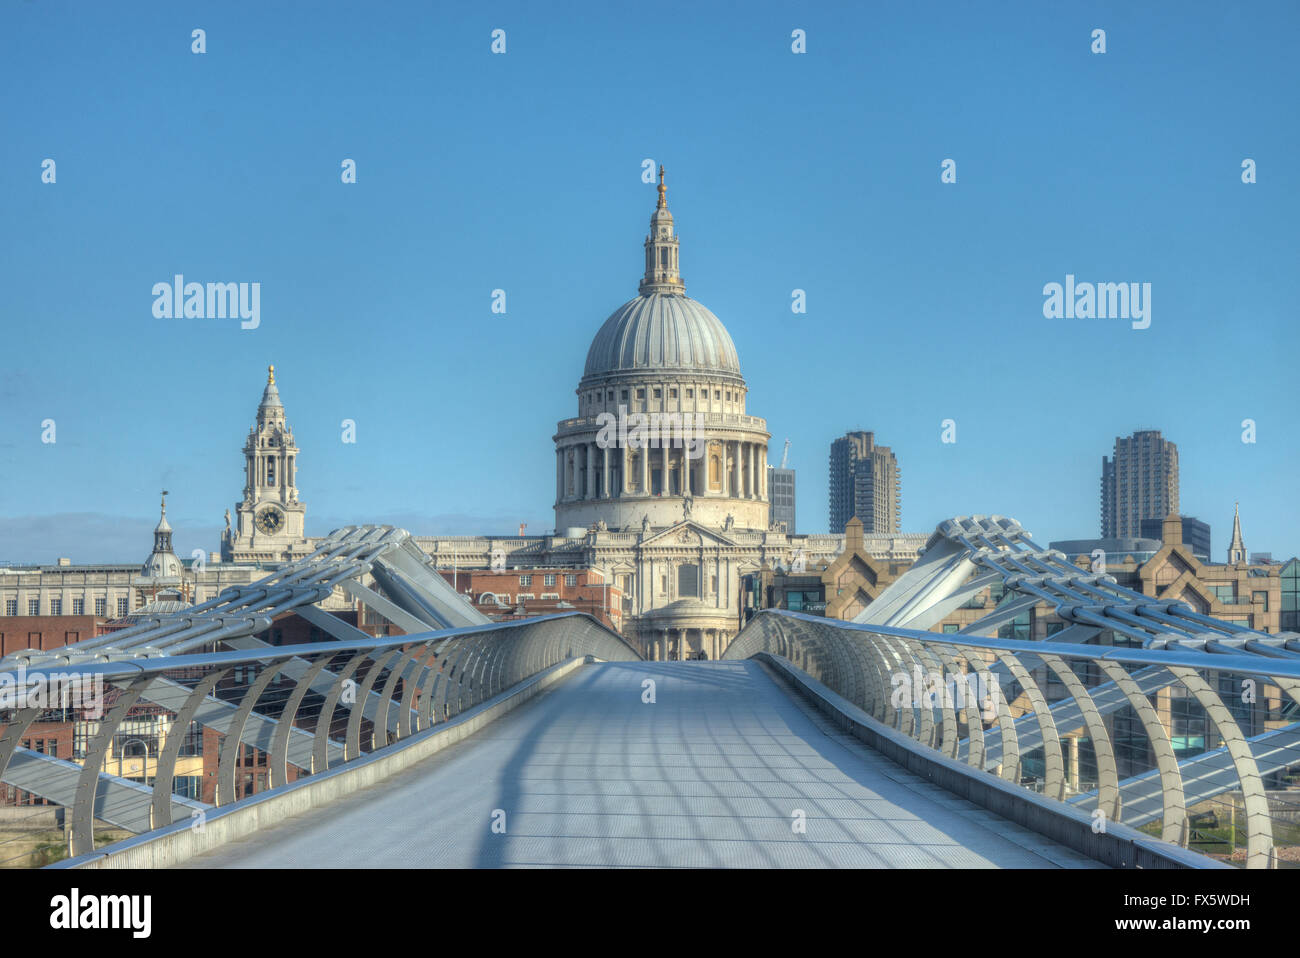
x=662 y=331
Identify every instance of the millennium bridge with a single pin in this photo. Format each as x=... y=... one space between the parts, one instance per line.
x=551 y=742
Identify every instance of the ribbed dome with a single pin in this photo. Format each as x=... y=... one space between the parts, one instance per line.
x=662 y=331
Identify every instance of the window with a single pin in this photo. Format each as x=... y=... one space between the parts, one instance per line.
x=123 y=606
x=1261 y=598
x=56 y=607
x=950 y=627
x=52 y=748
x=570 y=580
x=640 y=393
x=192 y=744
x=101 y=607
x=672 y=394
x=688 y=580
x=717 y=394
x=33 y=606
x=78 y=606
x=690 y=394
x=270 y=472
x=83 y=733
x=525 y=580
x=11 y=606
x=550 y=578
x=623 y=395
x=659 y=393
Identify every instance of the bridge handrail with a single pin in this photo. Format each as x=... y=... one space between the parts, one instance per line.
x=946 y=691
x=395 y=686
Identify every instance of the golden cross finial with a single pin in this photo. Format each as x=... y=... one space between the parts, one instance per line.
x=270 y=375
x=164 y=502
x=663 y=202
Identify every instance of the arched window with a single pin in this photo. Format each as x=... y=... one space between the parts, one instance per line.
x=270 y=471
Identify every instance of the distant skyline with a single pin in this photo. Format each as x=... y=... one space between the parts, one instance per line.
x=818 y=172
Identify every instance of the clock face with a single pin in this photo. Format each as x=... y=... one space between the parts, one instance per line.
x=269 y=521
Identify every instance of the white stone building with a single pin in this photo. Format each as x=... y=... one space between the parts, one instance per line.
x=674 y=531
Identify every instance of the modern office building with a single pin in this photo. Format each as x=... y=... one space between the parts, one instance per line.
x=780 y=490
x=1140 y=482
x=864 y=482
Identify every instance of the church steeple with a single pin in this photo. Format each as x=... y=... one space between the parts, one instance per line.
x=1236 y=548
x=661 y=269
x=162 y=562
x=269 y=526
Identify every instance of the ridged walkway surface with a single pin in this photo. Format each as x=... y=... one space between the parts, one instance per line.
x=713 y=774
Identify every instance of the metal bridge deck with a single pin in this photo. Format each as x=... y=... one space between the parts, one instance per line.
x=711 y=775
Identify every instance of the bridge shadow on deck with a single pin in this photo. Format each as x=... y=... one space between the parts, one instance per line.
x=713 y=774
x=722 y=770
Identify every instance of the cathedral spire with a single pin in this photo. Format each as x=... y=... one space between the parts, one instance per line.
x=1236 y=548
x=661 y=268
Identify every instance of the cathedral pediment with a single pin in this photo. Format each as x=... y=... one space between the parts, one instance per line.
x=687 y=534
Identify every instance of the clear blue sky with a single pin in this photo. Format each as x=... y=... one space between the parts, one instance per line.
x=522 y=172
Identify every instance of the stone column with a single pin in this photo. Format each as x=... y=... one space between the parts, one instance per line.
x=753 y=471
x=604 y=473
x=664 y=645
x=591 y=470
x=663 y=469
x=559 y=475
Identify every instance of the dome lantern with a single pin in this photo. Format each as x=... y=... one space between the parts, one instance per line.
x=662 y=273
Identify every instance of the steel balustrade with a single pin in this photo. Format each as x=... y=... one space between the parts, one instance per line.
x=877 y=668
x=485 y=660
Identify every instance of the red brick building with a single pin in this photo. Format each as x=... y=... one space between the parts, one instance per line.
x=44 y=632
x=505 y=594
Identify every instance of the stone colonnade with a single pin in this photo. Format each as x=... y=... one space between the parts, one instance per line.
x=585 y=470
x=675 y=644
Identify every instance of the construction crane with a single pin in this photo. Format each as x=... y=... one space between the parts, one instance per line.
x=785 y=456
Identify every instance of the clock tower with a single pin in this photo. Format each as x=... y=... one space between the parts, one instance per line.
x=269 y=521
